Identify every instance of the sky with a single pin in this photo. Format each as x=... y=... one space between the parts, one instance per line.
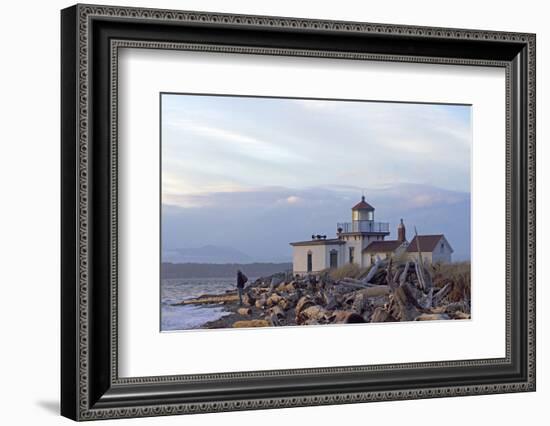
x=253 y=174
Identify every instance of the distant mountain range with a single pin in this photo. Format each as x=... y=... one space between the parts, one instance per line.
x=206 y=254
x=210 y=270
x=257 y=226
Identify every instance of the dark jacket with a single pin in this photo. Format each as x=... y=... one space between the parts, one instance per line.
x=241 y=279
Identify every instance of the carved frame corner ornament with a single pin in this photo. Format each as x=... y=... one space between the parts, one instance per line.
x=91 y=37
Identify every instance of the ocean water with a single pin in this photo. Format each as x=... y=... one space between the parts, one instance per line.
x=186 y=317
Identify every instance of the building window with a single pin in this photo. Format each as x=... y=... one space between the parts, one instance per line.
x=351 y=252
x=333 y=259
x=442 y=247
x=309 y=261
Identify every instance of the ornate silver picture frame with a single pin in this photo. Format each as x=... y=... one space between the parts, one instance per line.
x=91 y=39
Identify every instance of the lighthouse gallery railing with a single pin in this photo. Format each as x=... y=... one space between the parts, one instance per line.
x=364 y=226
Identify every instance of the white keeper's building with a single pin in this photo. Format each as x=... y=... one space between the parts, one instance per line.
x=362 y=241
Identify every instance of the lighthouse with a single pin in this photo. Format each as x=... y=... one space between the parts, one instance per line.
x=361 y=231
x=362 y=242
x=362 y=222
x=362 y=214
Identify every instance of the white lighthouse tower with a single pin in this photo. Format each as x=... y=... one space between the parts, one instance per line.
x=362 y=215
x=361 y=231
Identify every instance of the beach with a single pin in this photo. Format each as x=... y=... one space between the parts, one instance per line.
x=385 y=292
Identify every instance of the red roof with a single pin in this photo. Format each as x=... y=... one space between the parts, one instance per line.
x=427 y=243
x=362 y=205
x=382 y=246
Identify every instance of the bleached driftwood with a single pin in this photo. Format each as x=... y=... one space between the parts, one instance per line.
x=273 y=300
x=391 y=279
x=248 y=299
x=442 y=293
x=303 y=303
x=459 y=315
x=316 y=312
x=408 y=306
x=403 y=276
x=329 y=301
x=420 y=275
x=276 y=316
x=206 y=299
x=426 y=300
x=382 y=315
x=432 y=317
x=391 y=290
x=261 y=301
x=278 y=311
x=346 y=317
x=373 y=270
x=350 y=282
x=251 y=323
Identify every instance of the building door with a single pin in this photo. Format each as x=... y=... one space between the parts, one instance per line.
x=351 y=252
x=333 y=259
x=309 y=262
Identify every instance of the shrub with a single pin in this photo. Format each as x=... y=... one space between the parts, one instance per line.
x=457 y=273
x=350 y=270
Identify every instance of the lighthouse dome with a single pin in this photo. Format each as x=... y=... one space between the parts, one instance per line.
x=363 y=205
x=362 y=211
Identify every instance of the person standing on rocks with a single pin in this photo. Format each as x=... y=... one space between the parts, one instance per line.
x=241 y=281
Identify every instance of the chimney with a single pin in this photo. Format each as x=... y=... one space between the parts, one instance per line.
x=401 y=236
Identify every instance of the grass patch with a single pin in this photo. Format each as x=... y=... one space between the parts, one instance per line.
x=459 y=274
x=349 y=270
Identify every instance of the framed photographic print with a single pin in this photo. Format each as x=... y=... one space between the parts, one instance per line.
x=263 y=212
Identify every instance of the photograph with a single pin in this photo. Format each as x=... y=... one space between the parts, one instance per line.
x=246 y=195
x=281 y=212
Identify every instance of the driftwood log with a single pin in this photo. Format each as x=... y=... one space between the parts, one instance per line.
x=404 y=273
x=432 y=317
x=251 y=323
x=248 y=299
x=382 y=315
x=261 y=301
x=244 y=311
x=207 y=299
x=373 y=270
x=316 y=313
x=345 y=317
x=391 y=290
x=442 y=293
x=408 y=306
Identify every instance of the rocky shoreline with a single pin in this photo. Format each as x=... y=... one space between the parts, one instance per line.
x=388 y=291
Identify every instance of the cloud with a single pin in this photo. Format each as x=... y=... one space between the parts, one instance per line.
x=247 y=143
x=237 y=140
x=249 y=219
x=423 y=200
